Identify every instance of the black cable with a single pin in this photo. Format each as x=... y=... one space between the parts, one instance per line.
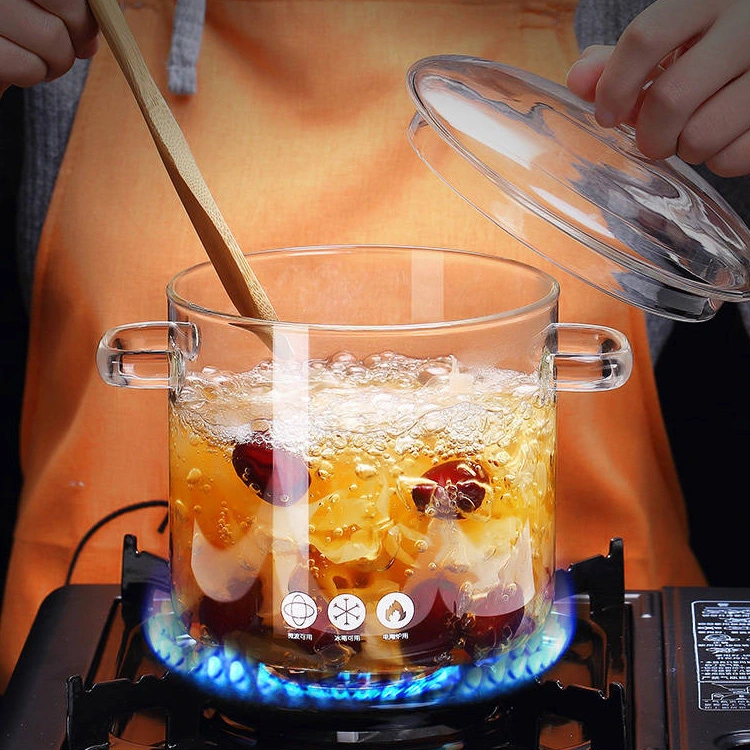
x=111 y=517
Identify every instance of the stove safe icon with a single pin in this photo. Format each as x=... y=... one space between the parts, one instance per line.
x=395 y=610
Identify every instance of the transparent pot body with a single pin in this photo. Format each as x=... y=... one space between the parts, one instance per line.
x=367 y=487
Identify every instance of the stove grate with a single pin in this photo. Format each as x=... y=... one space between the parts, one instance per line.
x=193 y=721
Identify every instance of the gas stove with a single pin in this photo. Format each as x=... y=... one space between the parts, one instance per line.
x=644 y=670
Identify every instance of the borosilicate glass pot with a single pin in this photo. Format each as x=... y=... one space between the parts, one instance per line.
x=362 y=494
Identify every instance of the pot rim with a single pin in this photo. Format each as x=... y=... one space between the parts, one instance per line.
x=542 y=302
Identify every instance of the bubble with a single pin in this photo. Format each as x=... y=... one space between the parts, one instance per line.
x=365 y=471
x=194 y=476
x=325 y=470
x=341 y=358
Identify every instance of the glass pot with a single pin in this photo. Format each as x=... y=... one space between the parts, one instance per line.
x=362 y=496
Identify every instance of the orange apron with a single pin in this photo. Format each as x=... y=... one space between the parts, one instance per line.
x=299 y=127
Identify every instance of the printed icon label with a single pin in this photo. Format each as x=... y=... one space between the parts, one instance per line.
x=346 y=611
x=395 y=610
x=299 y=610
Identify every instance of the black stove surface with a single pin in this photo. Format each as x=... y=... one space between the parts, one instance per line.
x=647 y=670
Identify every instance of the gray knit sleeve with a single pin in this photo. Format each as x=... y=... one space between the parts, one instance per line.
x=602 y=21
x=49 y=110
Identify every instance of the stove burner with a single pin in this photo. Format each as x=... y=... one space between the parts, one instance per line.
x=222 y=671
x=209 y=693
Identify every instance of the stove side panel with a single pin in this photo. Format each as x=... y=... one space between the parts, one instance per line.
x=646 y=694
x=707 y=667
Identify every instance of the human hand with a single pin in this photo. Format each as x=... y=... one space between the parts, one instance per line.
x=680 y=73
x=39 y=40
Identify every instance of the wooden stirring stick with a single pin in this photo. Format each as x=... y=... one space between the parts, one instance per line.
x=224 y=252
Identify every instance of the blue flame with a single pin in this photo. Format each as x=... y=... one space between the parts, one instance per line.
x=225 y=672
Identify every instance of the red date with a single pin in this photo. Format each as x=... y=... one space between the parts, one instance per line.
x=454 y=490
x=494 y=622
x=279 y=477
x=435 y=630
x=440 y=627
x=222 y=618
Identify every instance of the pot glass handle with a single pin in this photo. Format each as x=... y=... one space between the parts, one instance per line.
x=588 y=358
x=147 y=355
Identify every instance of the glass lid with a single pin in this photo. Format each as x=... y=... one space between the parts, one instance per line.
x=528 y=154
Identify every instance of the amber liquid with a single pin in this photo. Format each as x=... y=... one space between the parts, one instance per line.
x=362 y=517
